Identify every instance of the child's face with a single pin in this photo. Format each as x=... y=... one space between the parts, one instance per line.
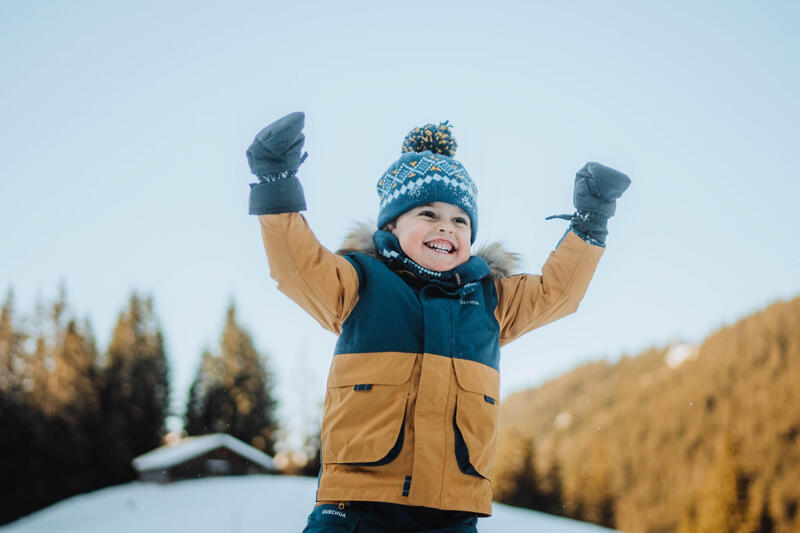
x=435 y=236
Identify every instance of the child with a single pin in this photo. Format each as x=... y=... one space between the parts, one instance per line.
x=411 y=409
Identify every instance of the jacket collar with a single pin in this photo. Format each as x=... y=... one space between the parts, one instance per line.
x=502 y=263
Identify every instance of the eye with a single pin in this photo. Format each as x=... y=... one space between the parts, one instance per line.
x=426 y=213
x=461 y=220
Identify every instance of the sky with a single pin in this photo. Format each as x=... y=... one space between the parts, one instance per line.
x=124 y=125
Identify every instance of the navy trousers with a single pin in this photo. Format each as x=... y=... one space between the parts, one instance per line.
x=378 y=517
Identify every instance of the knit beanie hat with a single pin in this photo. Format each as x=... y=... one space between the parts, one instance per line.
x=426 y=172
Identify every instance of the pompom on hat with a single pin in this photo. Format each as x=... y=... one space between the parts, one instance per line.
x=425 y=173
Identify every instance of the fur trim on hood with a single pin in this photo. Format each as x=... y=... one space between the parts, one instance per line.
x=502 y=263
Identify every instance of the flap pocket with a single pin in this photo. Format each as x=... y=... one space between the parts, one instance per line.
x=476 y=417
x=389 y=368
x=365 y=408
x=476 y=434
x=477 y=377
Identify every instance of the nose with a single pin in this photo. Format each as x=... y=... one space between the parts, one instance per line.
x=445 y=227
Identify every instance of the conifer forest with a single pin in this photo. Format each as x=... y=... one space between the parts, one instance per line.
x=708 y=442
x=73 y=416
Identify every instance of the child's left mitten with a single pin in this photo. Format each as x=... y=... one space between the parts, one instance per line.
x=274 y=157
x=597 y=188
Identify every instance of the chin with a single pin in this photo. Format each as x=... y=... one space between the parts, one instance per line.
x=441 y=267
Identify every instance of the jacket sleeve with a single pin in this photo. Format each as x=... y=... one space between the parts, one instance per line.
x=321 y=282
x=526 y=302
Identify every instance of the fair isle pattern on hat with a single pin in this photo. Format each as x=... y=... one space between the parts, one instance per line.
x=426 y=173
x=411 y=176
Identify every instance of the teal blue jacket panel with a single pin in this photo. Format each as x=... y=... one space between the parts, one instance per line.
x=394 y=316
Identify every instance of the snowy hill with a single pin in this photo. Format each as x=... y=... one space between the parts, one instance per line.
x=251 y=504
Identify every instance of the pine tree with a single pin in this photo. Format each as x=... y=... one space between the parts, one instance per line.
x=51 y=420
x=721 y=508
x=73 y=392
x=551 y=488
x=525 y=491
x=688 y=521
x=206 y=405
x=21 y=491
x=764 y=522
x=72 y=409
x=135 y=388
x=596 y=488
x=17 y=419
x=232 y=391
x=50 y=331
x=508 y=460
x=63 y=374
x=12 y=352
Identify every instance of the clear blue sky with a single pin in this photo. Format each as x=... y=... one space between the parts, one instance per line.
x=123 y=128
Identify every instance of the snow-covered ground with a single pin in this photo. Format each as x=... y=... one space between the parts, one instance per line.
x=249 y=504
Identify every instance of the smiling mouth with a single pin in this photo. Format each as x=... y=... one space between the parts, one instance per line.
x=441 y=247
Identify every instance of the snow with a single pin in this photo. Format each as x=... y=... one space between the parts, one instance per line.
x=679 y=354
x=246 y=504
x=562 y=420
x=189 y=448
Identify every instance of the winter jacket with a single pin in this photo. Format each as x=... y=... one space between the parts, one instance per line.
x=411 y=407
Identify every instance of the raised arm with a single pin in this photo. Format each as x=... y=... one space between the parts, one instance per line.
x=526 y=302
x=322 y=283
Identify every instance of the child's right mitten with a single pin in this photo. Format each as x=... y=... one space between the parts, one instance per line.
x=274 y=157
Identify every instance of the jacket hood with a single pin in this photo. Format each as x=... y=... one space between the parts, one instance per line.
x=502 y=262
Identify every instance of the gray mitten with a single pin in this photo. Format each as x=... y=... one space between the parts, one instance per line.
x=274 y=157
x=277 y=147
x=597 y=188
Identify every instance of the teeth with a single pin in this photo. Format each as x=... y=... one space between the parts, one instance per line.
x=439 y=248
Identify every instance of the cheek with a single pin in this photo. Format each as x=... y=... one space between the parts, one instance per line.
x=417 y=235
x=466 y=237
x=410 y=239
